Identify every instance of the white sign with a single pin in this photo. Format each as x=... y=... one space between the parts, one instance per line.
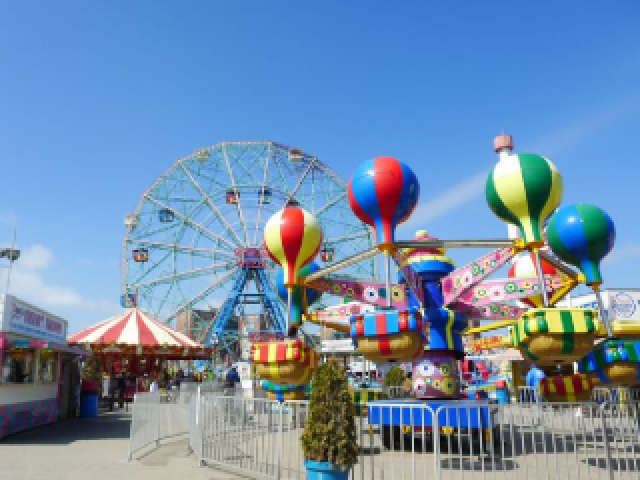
x=22 y=318
x=624 y=306
x=337 y=346
x=619 y=305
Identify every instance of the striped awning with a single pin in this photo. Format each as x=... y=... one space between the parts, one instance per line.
x=136 y=331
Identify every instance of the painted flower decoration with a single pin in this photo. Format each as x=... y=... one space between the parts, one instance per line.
x=445 y=369
x=467 y=278
x=496 y=293
x=449 y=386
x=481 y=292
x=397 y=293
x=447 y=286
x=475 y=269
x=456 y=282
x=511 y=287
x=371 y=294
x=350 y=291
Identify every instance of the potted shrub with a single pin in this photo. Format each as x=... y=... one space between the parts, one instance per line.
x=329 y=438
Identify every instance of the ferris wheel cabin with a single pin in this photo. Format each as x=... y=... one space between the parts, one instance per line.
x=128 y=300
x=202 y=155
x=295 y=155
x=265 y=196
x=166 y=216
x=232 y=196
x=327 y=253
x=140 y=255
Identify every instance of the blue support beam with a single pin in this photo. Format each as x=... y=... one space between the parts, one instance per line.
x=268 y=298
x=278 y=322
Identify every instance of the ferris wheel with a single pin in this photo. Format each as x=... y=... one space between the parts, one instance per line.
x=193 y=245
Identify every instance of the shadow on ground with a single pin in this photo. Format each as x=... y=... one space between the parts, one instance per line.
x=106 y=426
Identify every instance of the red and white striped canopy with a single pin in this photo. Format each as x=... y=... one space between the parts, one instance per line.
x=133 y=327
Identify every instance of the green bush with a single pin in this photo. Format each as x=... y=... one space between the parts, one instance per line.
x=330 y=433
x=395 y=377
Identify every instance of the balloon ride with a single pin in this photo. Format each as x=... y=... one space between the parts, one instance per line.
x=422 y=318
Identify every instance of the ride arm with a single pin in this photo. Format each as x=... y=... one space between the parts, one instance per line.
x=458 y=282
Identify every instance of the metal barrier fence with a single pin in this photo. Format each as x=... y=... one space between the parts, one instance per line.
x=155 y=416
x=144 y=421
x=261 y=438
x=616 y=394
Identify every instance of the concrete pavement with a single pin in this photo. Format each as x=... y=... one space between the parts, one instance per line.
x=95 y=449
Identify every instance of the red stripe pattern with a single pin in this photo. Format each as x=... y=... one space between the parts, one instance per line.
x=389 y=187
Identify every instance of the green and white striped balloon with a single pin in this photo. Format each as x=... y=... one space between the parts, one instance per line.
x=524 y=189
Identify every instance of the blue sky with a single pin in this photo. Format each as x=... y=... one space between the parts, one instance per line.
x=98 y=98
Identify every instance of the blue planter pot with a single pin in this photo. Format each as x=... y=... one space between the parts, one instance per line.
x=325 y=471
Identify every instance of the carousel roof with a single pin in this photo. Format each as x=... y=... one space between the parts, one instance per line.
x=133 y=327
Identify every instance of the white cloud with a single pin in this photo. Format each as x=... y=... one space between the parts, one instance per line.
x=28 y=281
x=455 y=197
x=574 y=133
x=623 y=253
x=36 y=257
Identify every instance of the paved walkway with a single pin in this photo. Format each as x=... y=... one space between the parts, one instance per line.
x=95 y=449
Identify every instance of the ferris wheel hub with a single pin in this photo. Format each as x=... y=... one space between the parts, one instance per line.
x=251 y=257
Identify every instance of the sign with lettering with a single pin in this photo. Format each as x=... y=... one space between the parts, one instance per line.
x=19 y=317
x=487 y=343
x=343 y=345
x=255 y=337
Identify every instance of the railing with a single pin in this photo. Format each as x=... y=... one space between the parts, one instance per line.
x=395 y=391
x=616 y=395
x=528 y=395
x=144 y=421
x=156 y=416
x=261 y=438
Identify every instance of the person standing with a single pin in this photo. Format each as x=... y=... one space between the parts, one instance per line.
x=122 y=386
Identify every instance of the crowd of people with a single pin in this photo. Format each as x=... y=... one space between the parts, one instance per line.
x=122 y=386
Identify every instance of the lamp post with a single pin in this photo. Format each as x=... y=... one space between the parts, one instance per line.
x=12 y=255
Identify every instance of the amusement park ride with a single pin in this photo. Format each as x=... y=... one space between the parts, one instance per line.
x=422 y=318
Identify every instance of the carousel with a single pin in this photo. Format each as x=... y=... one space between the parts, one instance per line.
x=136 y=345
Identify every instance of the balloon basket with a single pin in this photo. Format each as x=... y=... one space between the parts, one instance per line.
x=567 y=388
x=289 y=362
x=613 y=363
x=284 y=393
x=388 y=335
x=549 y=336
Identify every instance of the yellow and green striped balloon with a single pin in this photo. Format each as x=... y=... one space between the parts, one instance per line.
x=524 y=189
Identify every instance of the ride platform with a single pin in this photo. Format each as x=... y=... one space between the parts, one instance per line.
x=420 y=414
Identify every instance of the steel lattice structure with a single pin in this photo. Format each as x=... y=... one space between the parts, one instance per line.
x=184 y=244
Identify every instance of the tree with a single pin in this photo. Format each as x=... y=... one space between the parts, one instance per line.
x=330 y=433
x=395 y=377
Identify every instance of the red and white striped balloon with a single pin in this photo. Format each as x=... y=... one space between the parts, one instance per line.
x=292 y=238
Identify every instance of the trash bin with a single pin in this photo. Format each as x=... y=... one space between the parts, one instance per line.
x=502 y=392
x=89 y=405
x=89 y=399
